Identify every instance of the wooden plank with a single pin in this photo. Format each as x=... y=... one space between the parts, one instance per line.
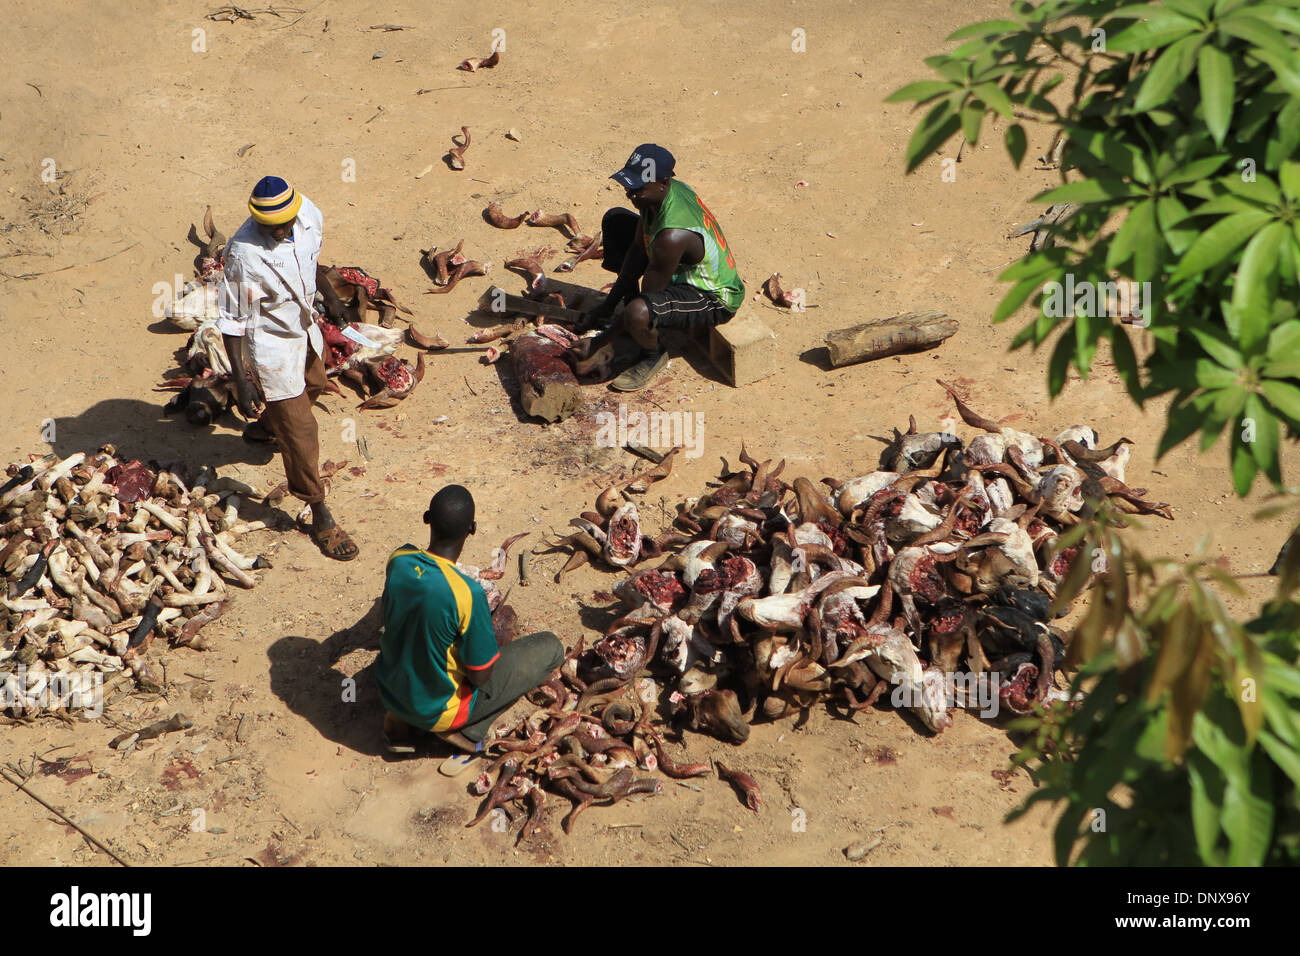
x=908 y=332
x=500 y=303
x=573 y=293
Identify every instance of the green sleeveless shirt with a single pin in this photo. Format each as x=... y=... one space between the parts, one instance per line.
x=716 y=272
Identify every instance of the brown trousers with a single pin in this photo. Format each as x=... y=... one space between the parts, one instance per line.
x=294 y=426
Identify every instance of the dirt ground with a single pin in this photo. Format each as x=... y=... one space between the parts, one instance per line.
x=143 y=130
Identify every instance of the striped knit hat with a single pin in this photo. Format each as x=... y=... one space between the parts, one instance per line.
x=274 y=202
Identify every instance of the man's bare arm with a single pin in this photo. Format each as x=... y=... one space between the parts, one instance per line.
x=634 y=264
x=625 y=286
x=671 y=247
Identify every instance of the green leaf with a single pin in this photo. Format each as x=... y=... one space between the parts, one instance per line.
x=1245 y=27
x=1215 y=71
x=1016 y=143
x=1140 y=11
x=1087 y=190
x=1182 y=424
x=1288 y=21
x=1288 y=177
x=1058 y=368
x=1251 y=293
x=1283 y=396
x=1016 y=298
x=1212 y=375
x=1172 y=219
x=1252 y=329
x=1218 y=242
x=937 y=127
x=1126 y=363
x=1195 y=171
x=1138 y=239
x=1284 y=340
x=1281 y=720
x=1197 y=9
x=1283 y=676
x=996 y=97
x=1283 y=368
x=1171 y=68
x=1284 y=67
x=1163 y=28
x=1220 y=351
x=948 y=67
x=1287 y=134
x=972 y=117
x=1224 y=204
x=1243 y=466
x=1287 y=758
x=923 y=91
x=1207 y=806
x=1260 y=190
x=1264 y=448
x=1225 y=405
x=1248 y=813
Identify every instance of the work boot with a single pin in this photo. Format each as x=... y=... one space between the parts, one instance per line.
x=642 y=373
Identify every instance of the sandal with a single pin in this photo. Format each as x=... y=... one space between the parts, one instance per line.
x=399 y=736
x=397 y=747
x=458 y=763
x=335 y=543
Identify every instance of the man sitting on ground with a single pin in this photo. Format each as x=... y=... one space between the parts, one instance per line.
x=439 y=667
x=674 y=249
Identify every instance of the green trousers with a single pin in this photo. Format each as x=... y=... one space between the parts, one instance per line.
x=524 y=664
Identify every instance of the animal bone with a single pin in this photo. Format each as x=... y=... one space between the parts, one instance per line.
x=480 y=62
x=456 y=155
x=496 y=215
x=772 y=286
x=561 y=220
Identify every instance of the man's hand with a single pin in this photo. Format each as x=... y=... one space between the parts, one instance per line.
x=599 y=316
x=245 y=395
x=245 y=398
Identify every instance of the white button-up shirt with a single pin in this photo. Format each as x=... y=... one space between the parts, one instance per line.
x=266 y=295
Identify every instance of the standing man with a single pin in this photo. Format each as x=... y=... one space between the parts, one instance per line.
x=439 y=667
x=674 y=250
x=266 y=312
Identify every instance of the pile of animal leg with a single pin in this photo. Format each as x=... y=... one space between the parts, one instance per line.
x=99 y=555
x=933 y=574
x=586 y=743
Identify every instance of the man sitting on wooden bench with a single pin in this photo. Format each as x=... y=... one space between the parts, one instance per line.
x=674 y=250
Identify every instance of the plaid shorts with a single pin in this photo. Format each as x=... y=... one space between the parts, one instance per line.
x=685 y=307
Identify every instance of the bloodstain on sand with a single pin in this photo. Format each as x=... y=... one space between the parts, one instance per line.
x=179 y=772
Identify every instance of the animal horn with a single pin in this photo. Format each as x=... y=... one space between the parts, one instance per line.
x=970 y=417
x=216 y=240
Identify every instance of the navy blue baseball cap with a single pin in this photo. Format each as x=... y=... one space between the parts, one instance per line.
x=646 y=164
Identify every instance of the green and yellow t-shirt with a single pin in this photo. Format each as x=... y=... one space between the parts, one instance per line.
x=437 y=628
x=716 y=272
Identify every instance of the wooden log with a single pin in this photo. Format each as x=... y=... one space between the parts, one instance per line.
x=908 y=332
x=548 y=388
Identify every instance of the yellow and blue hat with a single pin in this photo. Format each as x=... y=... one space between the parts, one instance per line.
x=274 y=202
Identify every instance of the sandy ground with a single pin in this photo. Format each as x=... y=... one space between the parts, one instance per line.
x=143 y=131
